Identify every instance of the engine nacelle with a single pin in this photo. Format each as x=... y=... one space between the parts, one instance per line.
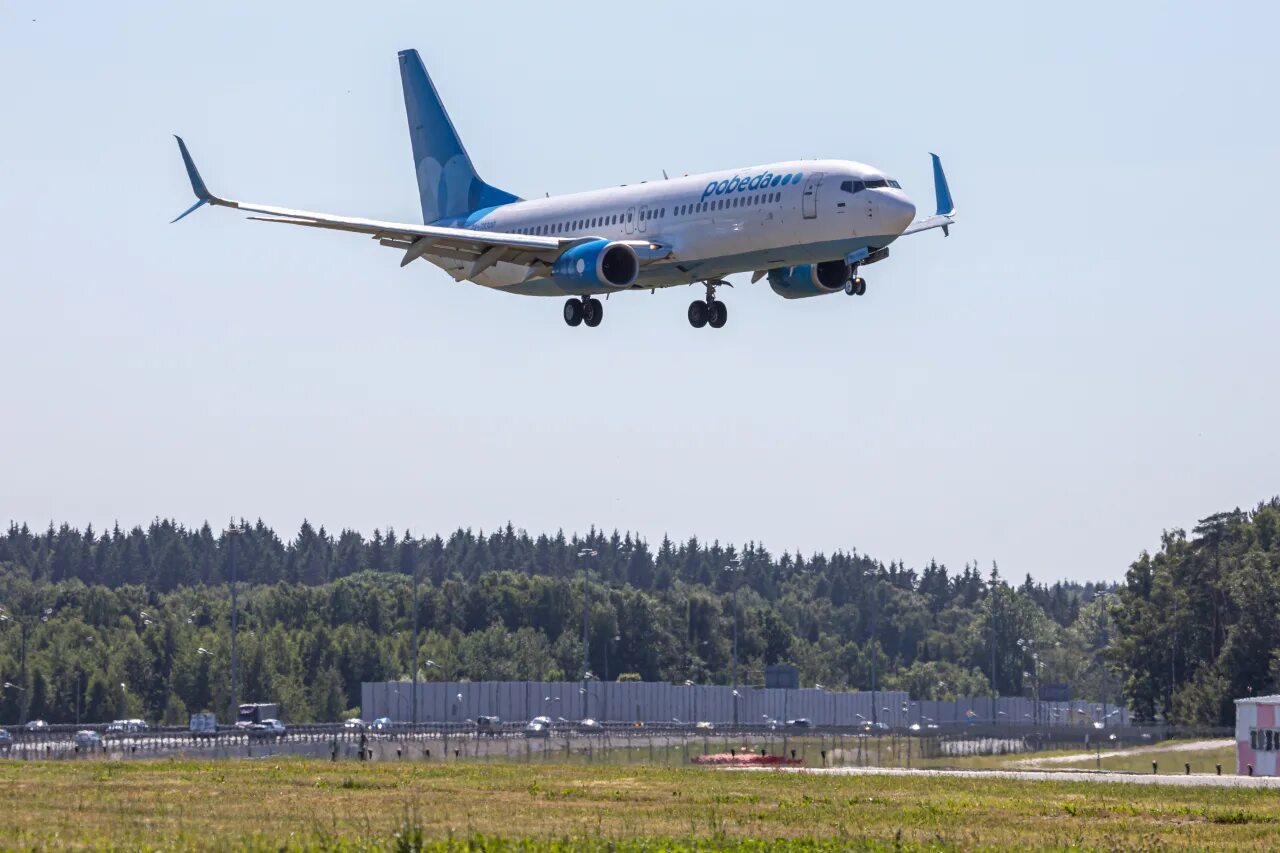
x=809 y=279
x=601 y=263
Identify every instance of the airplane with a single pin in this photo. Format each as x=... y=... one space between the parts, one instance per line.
x=807 y=226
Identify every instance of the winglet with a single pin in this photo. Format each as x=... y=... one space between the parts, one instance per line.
x=197 y=183
x=940 y=189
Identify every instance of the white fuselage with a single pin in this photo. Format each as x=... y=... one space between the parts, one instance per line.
x=715 y=224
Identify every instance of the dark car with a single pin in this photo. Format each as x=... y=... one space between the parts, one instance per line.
x=6 y=739
x=800 y=723
x=488 y=725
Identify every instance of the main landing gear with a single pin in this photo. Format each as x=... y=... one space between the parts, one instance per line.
x=856 y=285
x=709 y=312
x=587 y=310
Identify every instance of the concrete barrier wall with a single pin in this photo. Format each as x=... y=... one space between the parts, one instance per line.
x=656 y=702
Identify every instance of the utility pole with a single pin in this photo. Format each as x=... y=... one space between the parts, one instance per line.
x=235 y=702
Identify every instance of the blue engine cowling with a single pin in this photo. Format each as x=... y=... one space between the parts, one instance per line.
x=809 y=279
x=601 y=263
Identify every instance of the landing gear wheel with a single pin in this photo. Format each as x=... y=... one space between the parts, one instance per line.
x=855 y=286
x=592 y=312
x=719 y=314
x=698 y=314
x=573 y=312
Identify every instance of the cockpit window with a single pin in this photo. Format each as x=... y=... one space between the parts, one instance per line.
x=853 y=186
x=877 y=183
x=895 y=185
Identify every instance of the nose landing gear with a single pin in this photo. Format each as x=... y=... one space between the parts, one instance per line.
x=709 y=312
x=856 y=285
x=587 y=310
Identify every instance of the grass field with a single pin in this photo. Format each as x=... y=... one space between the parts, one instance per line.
x=313 y=804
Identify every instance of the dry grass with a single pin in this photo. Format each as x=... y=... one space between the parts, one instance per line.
x=305 y=804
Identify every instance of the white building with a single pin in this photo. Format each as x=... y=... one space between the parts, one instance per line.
x=1258 y=735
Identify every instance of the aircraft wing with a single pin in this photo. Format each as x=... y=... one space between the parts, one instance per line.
x=929 y=222
x=482 y=248
x=946 y=214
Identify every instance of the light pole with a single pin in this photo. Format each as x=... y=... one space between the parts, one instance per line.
x=586 y=554
x=1102 y=598
x=994 y=589
x=413 y=564
x=232 y=532
x=734 y=568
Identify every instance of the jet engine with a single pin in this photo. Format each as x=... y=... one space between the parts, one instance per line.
x=809 y=279
x=589 y=266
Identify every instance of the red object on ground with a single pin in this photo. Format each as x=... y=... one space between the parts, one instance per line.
x=724 y=759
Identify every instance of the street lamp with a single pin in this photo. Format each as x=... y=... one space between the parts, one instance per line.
x=232 y=532
x=586 y=554
x=1106 y=641
x=735 y=568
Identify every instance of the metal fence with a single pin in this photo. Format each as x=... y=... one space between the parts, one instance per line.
x=453 y=702
x=649 y=702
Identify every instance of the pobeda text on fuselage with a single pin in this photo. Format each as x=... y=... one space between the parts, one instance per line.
x=808 y=226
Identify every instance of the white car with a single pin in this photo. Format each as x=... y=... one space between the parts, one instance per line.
x=355 y=723
x=538 y=727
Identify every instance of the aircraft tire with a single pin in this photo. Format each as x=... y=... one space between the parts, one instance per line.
x=698 y=314
x=573 y=312
x=719 y=315
x=859 y=286
x=592 y=312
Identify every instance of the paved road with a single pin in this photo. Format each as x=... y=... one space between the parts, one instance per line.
x=1060 y=776
x=1191 y=746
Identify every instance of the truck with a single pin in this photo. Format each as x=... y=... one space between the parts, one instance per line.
x=255 y=713
x=204 y=725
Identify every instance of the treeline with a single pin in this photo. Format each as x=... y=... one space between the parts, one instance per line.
x=137 y=623
x=1199 y=620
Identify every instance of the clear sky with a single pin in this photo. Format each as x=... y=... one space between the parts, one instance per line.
x=1090 y=358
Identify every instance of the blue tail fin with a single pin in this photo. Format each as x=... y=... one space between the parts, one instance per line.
x=447 y=182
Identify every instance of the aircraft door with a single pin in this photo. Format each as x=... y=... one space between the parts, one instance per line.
x=631 y=220
x=644 y=212
x=809 y=196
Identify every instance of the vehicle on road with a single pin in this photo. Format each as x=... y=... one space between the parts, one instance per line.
x=807 y=227
x=129 y=727
x=257 y=712
x=6 y=739
x=267 y=730
x=538 y=727
x=36 y=727
x=590 y=725
x=354 y=724
x=203 y=725
x=382 y=724
x=800 y=723
x=488 y=725
x=704 y=726
x=88 y=739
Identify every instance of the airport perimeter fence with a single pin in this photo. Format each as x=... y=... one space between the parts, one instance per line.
x=659 y=702
x=670 y=745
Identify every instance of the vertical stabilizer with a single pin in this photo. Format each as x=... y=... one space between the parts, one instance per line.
x=447 y=182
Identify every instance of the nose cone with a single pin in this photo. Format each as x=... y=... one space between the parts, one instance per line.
x=896 y=211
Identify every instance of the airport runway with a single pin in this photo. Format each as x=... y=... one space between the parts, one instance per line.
x=1195 y=779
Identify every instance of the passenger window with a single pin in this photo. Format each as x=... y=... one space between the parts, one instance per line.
x=775 y=181
x=786 y=179
x=798 y=176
